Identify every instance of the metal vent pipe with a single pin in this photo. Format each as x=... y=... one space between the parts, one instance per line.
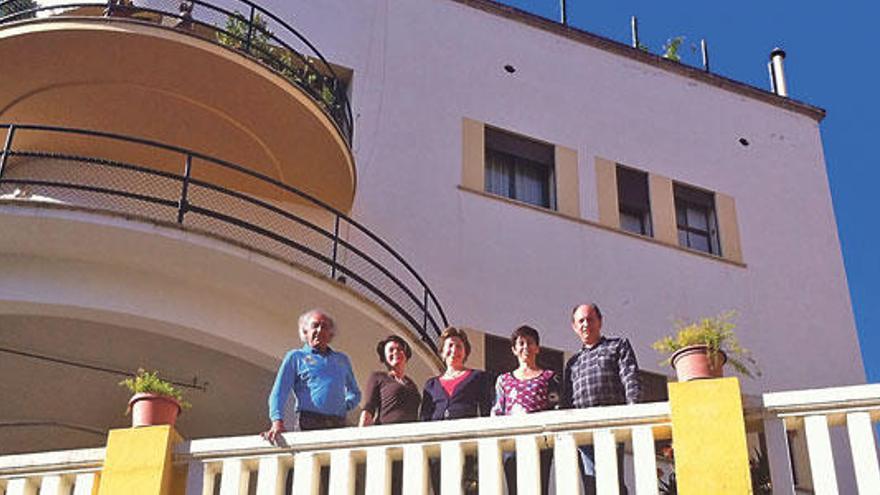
x=777 y=72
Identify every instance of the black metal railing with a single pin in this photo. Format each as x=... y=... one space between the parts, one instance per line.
x=257 y=213
x=237 y=24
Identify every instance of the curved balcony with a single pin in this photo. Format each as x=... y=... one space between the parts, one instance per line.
x=261 y=213
x=227 y=79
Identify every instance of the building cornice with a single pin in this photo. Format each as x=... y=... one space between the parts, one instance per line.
x=617 y=48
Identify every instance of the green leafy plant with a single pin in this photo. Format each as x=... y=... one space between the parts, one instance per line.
x=291 y=65
x=145 y=382
x=16 y=6
x=670 y=49
x=716 y=333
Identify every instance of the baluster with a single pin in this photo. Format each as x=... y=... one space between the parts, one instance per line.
x=233 y=478
x=55 y=485
x=335 y=248
x=778 y=458
x=250 y=33
x=528 y=465
x=7 y=148
x=183 y=204
x=491 y=469
x=451 y=467
x=200 y=478
x=341 y=472
x=566 y=460
x=270 y=476
x=84 y=484
x=425 y=312
x=415 y=470
x=378 y=471
x=821 y=456
x=606 y=462
x=306 y=474
x=645 y=460
x=21 y=486
x=864 y=451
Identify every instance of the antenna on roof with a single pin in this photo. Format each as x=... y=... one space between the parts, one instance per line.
x=634 y=24
x=704 y=46
x=563 y=12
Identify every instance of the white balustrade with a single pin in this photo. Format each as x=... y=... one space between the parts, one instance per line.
x=51 y=473
x=468 y=451
x=812 y=414
x=240 y=465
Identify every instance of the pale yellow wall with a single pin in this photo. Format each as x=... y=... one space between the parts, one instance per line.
x=728 y=228
x=473 y=142
x=567 y=186
x=606 y=192
x=663 y=209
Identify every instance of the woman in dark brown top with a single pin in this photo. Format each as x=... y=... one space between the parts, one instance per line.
x=391 y=396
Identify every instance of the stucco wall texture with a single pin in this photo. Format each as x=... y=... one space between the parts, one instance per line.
x=421 y=66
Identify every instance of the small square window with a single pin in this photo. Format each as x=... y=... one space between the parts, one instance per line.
x=520 y=168
x=695 y=216
x=633 y=201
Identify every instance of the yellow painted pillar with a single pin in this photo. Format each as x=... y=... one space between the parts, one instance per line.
x=709 y=437
x=138 y=462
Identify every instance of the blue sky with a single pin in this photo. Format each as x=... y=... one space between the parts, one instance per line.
x=830 y=63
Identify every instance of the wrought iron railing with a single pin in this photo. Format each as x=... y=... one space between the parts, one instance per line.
x=237 y=24
x=33 y=164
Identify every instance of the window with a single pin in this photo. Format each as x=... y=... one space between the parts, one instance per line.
x=633 y=202
x=520 y=168
x=695 y=216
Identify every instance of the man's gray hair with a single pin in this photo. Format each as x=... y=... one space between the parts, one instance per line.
x=304 y=318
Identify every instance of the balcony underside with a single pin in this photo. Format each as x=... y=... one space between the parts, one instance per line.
x=145 y=80
x=116 y=292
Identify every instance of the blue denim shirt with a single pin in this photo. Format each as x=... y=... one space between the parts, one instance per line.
x=321 y=383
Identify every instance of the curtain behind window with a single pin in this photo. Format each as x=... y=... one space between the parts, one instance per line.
x=499 y=167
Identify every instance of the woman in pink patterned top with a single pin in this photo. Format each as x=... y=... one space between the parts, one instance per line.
x=524 y=390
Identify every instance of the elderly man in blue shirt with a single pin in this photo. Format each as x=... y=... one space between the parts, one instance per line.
x=321 y=379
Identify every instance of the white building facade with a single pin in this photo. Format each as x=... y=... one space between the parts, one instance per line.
x=519 y=166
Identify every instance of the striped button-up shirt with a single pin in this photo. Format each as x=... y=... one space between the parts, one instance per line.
x=605 y=374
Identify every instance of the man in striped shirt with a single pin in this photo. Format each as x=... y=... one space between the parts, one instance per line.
x=603 y=373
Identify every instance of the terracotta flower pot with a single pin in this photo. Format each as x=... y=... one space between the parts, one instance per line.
x=692 y=363
x=153 y=409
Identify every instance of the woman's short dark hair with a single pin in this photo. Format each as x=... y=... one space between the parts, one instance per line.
x=380 y=347
x=450 y=332
x=525 y=332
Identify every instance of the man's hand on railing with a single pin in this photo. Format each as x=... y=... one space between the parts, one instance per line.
x=274 y=432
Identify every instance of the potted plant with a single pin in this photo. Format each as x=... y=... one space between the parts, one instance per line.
x=155 y=401
x=700 y=349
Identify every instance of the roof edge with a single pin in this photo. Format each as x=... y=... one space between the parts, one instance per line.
x=618 y=48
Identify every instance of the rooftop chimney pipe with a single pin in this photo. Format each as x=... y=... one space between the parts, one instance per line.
x=777 y=72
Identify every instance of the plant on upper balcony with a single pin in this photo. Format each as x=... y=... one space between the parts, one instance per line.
x=155 y=401
x=255 y=39
x=699 y=349
x=13 y=7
